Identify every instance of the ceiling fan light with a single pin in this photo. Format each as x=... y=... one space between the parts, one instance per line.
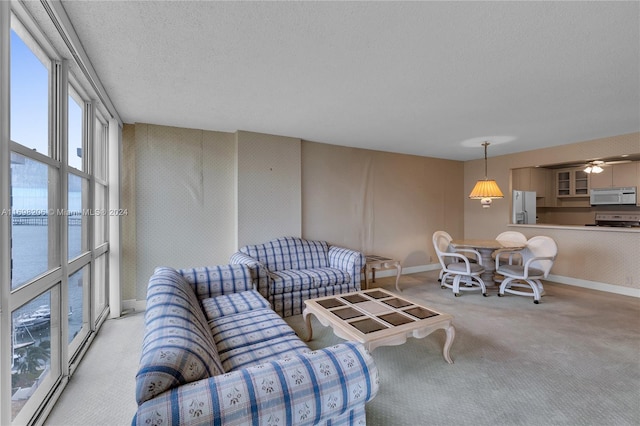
x=588 y=169
x=596 y=169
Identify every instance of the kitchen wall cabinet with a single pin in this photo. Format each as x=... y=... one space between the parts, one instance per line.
x=572 y=182
x=625 y=174
x=532 y=179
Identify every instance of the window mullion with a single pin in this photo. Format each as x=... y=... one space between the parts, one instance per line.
x=61 y=244
x=5 y=220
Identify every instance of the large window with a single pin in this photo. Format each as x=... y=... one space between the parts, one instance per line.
x=29 y=96
x=58 y=250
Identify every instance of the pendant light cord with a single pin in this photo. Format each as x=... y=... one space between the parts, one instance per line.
x=485 y=159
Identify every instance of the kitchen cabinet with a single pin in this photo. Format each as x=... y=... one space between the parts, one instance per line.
x=615 y=175
x=572 y=182
x=532 y=179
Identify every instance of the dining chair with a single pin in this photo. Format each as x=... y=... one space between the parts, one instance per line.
x=537 y=259
x=457 y=267
x=513 y=256
x=512 y=236
x=451 y=249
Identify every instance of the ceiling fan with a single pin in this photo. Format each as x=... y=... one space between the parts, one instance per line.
x=595 y=166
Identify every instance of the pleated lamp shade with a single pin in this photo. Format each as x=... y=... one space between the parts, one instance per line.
x=486 y=188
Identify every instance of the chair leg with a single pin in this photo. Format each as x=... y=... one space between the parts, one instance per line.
x=534 y=284
x=505 y=283
x=456 y=285
x=536 y=290
x=483 y=287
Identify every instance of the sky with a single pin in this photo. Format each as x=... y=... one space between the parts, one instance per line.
x=29 y=104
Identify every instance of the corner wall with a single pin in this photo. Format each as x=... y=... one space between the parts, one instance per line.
x=379 y=202
x=180 y=200
x=194 y=196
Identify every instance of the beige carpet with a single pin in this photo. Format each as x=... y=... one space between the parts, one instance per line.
x=574 y=359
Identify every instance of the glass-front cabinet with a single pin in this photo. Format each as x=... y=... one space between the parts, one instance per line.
x=572 y=182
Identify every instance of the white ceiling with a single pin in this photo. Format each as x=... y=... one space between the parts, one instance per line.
x=410 y=77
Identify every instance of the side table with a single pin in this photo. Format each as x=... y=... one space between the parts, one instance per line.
x=377 y=262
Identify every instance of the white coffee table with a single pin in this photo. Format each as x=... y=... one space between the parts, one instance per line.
x=378 y=317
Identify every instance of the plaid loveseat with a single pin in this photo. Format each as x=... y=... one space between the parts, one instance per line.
x=215 y=353
x=289 y=270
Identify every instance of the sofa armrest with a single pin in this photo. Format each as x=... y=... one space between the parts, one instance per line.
x=212 y=281
x=259 y=272
x=303 y=389
x=348 y=260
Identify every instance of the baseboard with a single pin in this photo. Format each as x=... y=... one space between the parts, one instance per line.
x=133 y=305
x=592 y=285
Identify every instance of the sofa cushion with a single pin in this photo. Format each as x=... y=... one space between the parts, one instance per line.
x=212 y=281
x=248 y=328
x=290 y=253
x=177 y=347
x=261 y=352
x=233 y=303
x=304 y=279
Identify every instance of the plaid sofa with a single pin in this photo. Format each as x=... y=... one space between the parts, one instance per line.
x=215 y=353
x=289 y=270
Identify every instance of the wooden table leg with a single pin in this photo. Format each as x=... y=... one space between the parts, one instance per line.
x=451 y=334
x=307 y=321
x=399 y=272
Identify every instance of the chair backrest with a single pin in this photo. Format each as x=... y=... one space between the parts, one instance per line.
x=441 y=243
x=540 y=246
x=513 y=236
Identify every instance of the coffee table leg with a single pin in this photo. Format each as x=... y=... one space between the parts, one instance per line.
x=399 y=272
x=451 y=334
x=307 y=321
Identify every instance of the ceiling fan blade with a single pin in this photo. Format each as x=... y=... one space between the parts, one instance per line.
x=609 y=163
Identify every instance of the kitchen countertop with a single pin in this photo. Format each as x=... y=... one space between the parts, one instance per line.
x=578 y=227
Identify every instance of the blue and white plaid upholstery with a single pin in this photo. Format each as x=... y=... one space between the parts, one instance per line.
x=248 y=328
x=212 y=281
x=178 y=347
x=287 y=304
x=290 y=253
x=253 y=337
x=325 y=387
x=241 y=363
x=234 y=303
x=289 y=269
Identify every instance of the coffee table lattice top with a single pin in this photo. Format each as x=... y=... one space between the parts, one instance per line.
x=374 y=310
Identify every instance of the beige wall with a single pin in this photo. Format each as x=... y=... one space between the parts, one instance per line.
x=268 y=188
x=609 y=270
x=179 y=197
x=379 y=202
x=182 y=190
x=194 y=196
x=481 y=222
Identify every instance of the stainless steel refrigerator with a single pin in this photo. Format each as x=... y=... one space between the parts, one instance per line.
x=524 y=207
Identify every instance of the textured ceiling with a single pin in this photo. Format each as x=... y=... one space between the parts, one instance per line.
x=410 y=77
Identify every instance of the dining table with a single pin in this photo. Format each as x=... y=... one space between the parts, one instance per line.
x=486 y=249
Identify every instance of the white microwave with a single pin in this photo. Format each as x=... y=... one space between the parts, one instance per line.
x=613 y=196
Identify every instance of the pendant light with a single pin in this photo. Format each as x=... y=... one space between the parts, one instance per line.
x=486 y=189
